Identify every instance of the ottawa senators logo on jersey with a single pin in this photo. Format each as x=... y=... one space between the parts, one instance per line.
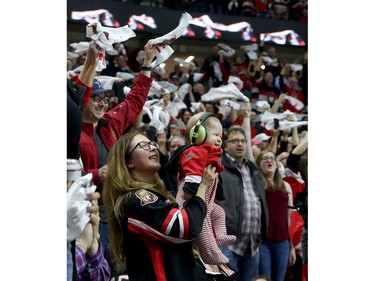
x=146 y=197
x=189 y=156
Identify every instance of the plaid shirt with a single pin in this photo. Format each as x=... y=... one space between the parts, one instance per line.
x=93 y=268
x=251 y=223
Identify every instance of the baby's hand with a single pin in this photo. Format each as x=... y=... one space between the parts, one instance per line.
x=186 y=196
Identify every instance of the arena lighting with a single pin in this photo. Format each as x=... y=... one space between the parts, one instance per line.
x=189 y=58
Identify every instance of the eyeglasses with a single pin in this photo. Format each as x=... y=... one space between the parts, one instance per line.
x=145 y=145
x=271 y=158
x=237 y=141
x=99 y=99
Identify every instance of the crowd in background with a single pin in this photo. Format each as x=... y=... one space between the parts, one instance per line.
x=258 y=87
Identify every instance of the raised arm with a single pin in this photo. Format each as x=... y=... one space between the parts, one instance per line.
x=273 y=143
x=246 y=109
x=125 y=113
x=149 y=56
x=88 y=71
x=295 y=136
x=301 y=148
x=278 y=102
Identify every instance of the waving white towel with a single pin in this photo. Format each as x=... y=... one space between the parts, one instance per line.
x=80 y=47
x=168 y=86
x=236 y=80
x=295 y=102
x=164 y=51
x=224 y=92
x=159 y=119
x=268 y=116
x=77 y=215
x=197 y=76
x=183 y=91
x=104 y=37
x=226 y=50
x=261 y=105
x=250 y=51
x=107 y=81
x=125 y=75
x=284 y=124
x=175 y=106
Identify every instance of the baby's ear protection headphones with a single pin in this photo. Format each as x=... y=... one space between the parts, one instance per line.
x=198 y=133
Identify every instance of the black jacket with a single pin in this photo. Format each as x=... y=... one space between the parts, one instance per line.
x=232 y=188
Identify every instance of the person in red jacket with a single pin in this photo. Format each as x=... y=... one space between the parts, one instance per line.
x=101 y=129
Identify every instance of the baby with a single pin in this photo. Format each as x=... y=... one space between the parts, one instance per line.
x=205 y=134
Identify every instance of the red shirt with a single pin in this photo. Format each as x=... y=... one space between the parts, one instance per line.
x=277 y=203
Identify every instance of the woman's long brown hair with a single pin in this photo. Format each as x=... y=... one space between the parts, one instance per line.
x=119 y=183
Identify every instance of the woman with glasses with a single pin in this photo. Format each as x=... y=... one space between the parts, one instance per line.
x=150 y=236
x=276 y=252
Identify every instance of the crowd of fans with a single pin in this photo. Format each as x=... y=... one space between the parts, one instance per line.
x=250 y=88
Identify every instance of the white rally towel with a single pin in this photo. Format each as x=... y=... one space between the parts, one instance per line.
x=155 y=90
x=126 y=90
x=262 y=105
x=75 y=72
x=77 y=215
x=175 y=106
x=226 y=106
x=160 y=69
x=163 y=50
x=295 y=102
x=197 y=76
x=195 y=106
x=296 y=67
x=80 y=47
x=284 y=124
x=168 y=86
x=159 y=119
x=224 y=92
x=226 y=50
x=125 y=75
x=183 y=91
x=107 y=81
x=71 y=55
x=235 y=80
x=104 y=37
x=250 y=51
x=269 y=116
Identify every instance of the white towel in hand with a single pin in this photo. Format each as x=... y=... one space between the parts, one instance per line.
x=77 y=215
x=163 y=50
